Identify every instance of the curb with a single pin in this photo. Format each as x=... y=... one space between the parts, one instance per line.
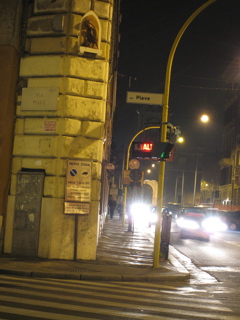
x=99 y=277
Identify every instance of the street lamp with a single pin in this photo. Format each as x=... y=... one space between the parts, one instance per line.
x=164 y=130
x=195 y=181
x=180 y=140
x=204 y=118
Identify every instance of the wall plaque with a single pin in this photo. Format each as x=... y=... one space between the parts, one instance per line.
x=76 y=208
x=39 y=99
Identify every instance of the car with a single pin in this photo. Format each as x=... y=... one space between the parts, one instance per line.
x=153 y=214
x=140 y=213
x=230 y=218
x=192 y=227
x=185 y=210
x=174 y=208
x=233 y=220
x=198 y=222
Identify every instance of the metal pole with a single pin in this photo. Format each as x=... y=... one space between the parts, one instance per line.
x=176 y=188
x=195 y=182
x=164 y=130
x=182 y=198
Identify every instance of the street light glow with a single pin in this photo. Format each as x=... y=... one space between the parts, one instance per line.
x=180 y=140
x=204 y=118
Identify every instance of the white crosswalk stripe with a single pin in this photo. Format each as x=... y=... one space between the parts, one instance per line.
x=29 y=298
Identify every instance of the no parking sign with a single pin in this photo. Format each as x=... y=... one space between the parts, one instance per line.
x=78 y=184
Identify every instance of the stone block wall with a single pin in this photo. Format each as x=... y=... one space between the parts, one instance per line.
x=46 y=136
x=10 y=21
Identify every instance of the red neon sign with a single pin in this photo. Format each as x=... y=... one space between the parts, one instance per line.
x=146 y=146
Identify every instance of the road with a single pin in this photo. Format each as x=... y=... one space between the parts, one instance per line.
x=216 y=262
x=29 y=298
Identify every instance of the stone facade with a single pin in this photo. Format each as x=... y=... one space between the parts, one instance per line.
x=62 y=112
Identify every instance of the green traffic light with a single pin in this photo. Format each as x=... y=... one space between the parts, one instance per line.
x=165 y=155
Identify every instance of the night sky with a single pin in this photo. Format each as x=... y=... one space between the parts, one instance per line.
x=208 y=46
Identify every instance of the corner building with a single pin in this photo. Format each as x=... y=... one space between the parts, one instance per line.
x=57 y=112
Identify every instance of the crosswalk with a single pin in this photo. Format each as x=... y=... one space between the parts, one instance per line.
x=34 y=299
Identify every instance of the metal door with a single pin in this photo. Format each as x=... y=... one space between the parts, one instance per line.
x=27 y=213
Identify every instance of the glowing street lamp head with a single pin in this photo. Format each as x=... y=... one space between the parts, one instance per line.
x=204 y=118
x=180 y=140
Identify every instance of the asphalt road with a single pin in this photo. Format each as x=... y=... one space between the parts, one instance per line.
x=219 y=258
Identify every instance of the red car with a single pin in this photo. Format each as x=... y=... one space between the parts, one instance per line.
x=191 y=226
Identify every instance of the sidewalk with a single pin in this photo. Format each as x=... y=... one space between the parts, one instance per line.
x=121 y=256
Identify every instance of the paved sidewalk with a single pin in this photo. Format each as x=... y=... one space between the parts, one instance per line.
x=121 y=256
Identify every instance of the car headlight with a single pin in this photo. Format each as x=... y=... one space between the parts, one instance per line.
x=187 y=224
x=140 y=213
x=214 y=224
x=153 y=217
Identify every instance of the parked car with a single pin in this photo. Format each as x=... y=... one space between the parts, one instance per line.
x=233 y=220
x=230 y=218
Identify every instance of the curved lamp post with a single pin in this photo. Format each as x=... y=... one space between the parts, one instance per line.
x=164 y=130
x=126 y=167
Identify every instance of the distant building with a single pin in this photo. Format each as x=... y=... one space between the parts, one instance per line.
x=230 y=162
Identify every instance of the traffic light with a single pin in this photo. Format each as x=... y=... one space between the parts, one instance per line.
x=142 y=149
x=165 y=150
x=172 y=133
x=162 y=150
x=135 y=175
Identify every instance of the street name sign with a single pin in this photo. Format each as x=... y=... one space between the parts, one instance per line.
x=144 y=98
x=40 y=99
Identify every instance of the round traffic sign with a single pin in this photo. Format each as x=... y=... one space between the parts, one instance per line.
x=134 y=164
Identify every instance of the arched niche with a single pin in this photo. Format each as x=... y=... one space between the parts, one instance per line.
x=90 y=34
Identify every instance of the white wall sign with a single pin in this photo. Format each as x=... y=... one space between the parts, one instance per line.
x=35 y=99
x=78 y=182
x=76 y=208
x=144 y=98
